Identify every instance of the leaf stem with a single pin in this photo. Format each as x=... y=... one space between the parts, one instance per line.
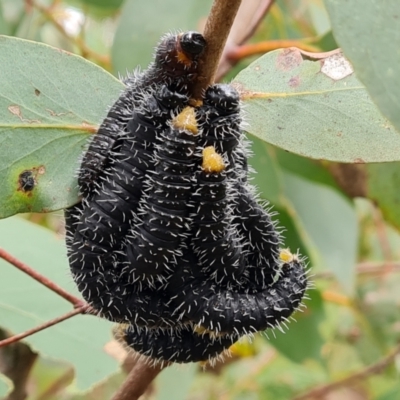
x=20 y=336
x=239 y=52
x=75 y=301
x=321 y=391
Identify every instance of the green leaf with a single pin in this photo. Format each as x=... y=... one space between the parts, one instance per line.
x=391 y=394
x=291 y=102
x=48 y=377
x=175 y=384
x=369 y=34
x=25 y=303
x=4 y=27
x=50 y=102
x=267 y=176
x=383 y=188
x=305 y=168
x=142 y=24
x=98 y=8
x=328 y=226
x=303 y=339
x=5 y=386
x=102 y=390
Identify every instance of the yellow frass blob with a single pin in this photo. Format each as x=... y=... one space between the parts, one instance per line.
x=212 y=161
x=186 y=120
x=286 y=256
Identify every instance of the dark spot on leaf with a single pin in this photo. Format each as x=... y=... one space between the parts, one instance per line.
x=37 y=92
x=279 y=127
x=288 y=59
x=26 y=181
x=294 y=81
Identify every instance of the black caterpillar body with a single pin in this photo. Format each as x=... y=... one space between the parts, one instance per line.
x=96 y=237
x=160 y=230
x=175 y=65
x=181 y=345
x=218 y=250
x=169 y=238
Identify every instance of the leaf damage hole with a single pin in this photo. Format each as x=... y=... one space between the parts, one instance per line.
x=336 y=67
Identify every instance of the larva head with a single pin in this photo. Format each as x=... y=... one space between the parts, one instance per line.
x=222 y=97
x=192 y=43
x=177 y=55
x=186 y=120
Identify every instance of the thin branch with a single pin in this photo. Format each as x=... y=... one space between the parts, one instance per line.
x=20 y=336
x=240 y=52
x=138 y=380
x=216 y=32
x=41 y=279
x=321 y=391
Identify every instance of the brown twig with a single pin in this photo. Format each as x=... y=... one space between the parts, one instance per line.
x=240 y=52
x=41 y=279
x=321 y=391
x=20 y=336
x=216 y=32
x=138 y=380
x=76 y=40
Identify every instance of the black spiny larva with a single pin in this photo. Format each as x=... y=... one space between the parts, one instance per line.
x=175 y=65
x=160 y=230
x=170 y=239
x=214 y=243
x=97 y=228
x=241 y=309
x=181 y=345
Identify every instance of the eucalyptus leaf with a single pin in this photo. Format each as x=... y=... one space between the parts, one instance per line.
x=316 y=109
x=267 y=173
x=5 y=386
x=369 y=34
x=174 y=382
x=50 y=103
x=383 y=188
x=306 y=330
x=328 y=226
